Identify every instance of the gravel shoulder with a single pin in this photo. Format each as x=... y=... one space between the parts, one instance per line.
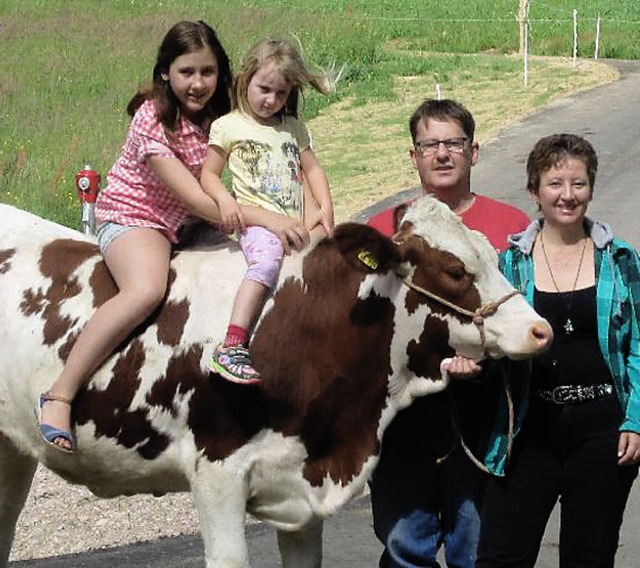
x=60 y=518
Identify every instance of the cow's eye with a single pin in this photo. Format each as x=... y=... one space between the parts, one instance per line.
x=457 y=273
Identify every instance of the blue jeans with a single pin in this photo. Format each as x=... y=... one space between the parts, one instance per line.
x=419 y=505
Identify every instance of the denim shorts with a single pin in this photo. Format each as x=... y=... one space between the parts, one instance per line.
x=108 y=232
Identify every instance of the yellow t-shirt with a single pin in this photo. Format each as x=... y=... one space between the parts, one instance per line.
x=264 y=161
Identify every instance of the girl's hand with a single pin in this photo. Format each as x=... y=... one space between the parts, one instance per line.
x=230 y=213
x=291 y=233
x=322 y=218
x=628 y=448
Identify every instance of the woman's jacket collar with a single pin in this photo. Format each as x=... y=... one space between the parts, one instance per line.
x=599 y=232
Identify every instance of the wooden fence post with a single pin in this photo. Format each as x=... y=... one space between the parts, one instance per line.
x=523 y=15
x=575 y=37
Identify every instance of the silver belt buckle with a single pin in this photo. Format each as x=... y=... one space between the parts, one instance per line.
x=563 y=394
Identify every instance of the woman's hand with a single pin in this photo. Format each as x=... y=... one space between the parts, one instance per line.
x=460 y=367
x=628 y=448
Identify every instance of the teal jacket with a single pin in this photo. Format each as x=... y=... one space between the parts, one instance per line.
x=618 y=307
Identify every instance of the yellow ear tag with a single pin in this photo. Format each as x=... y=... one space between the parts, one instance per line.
x=367 y=258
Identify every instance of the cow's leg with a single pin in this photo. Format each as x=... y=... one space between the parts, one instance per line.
x=16 y=473
x=220 y=496
x=303 y=548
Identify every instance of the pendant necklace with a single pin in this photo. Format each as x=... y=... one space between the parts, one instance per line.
x=568 y=324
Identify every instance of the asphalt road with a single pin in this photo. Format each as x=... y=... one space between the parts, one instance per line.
x=609 y=117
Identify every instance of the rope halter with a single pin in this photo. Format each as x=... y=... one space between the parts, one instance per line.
x=478 y=316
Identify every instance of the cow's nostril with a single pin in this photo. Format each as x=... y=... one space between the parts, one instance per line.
x=541 y=333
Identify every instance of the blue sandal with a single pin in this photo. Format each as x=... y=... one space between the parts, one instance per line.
x=48 y=433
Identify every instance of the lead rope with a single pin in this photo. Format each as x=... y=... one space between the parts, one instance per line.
x=459 y=439
x=477 y=317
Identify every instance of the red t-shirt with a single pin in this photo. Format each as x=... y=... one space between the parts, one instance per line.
x=496 y=220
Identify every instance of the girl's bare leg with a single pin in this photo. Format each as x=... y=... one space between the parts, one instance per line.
x=248 y=303
x=139 y=263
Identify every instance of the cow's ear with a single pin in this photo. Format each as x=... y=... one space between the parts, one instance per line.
x=403 y=234
x=409 y=246
x=398 y=214
x=366 y=249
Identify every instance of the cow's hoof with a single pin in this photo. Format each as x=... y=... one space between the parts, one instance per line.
x=50 y=434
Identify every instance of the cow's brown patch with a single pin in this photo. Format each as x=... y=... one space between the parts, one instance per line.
x=171 y=322
x=5 y=257
x=64 y=256
x=33 y=302
x=441 y=273
x=47 y=305
x=431 y=348
x=325 y=355
x=67 y=345
x=103 y=288
x=109 y=409
x=58 y=261
x=224 y=416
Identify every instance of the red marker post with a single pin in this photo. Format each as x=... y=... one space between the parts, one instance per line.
x=88 y=186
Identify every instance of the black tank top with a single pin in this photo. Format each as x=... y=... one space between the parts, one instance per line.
x=574 y=358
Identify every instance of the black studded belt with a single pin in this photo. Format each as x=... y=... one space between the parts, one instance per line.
x=570 y=394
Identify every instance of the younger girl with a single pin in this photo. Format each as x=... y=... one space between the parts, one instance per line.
x=151 y=190
x=269 y=155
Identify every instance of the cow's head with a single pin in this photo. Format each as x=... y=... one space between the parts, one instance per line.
x=453 y=273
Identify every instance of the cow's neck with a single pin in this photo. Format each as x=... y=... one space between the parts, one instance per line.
x=458 y=200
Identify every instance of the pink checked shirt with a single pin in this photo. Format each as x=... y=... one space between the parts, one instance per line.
x=134 y=195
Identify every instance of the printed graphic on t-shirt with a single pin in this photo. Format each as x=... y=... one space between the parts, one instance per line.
x=275 y=172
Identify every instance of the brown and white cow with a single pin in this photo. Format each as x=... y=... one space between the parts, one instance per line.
x=342 y=346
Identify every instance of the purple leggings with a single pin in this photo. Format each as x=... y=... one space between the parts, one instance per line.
x=263 y=252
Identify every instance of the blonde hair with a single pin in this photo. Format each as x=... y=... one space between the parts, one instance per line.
x=289 y=62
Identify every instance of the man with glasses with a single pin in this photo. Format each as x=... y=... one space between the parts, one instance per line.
x=421 y=501
x=443 y=152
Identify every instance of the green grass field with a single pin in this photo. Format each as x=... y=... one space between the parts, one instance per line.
x=68 y=68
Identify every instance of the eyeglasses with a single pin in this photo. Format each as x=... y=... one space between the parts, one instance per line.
x=430 y=146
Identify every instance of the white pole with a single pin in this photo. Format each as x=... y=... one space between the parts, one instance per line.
x=525 y=55
x=597 y=50
x=438 y=92
x=575 y=36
